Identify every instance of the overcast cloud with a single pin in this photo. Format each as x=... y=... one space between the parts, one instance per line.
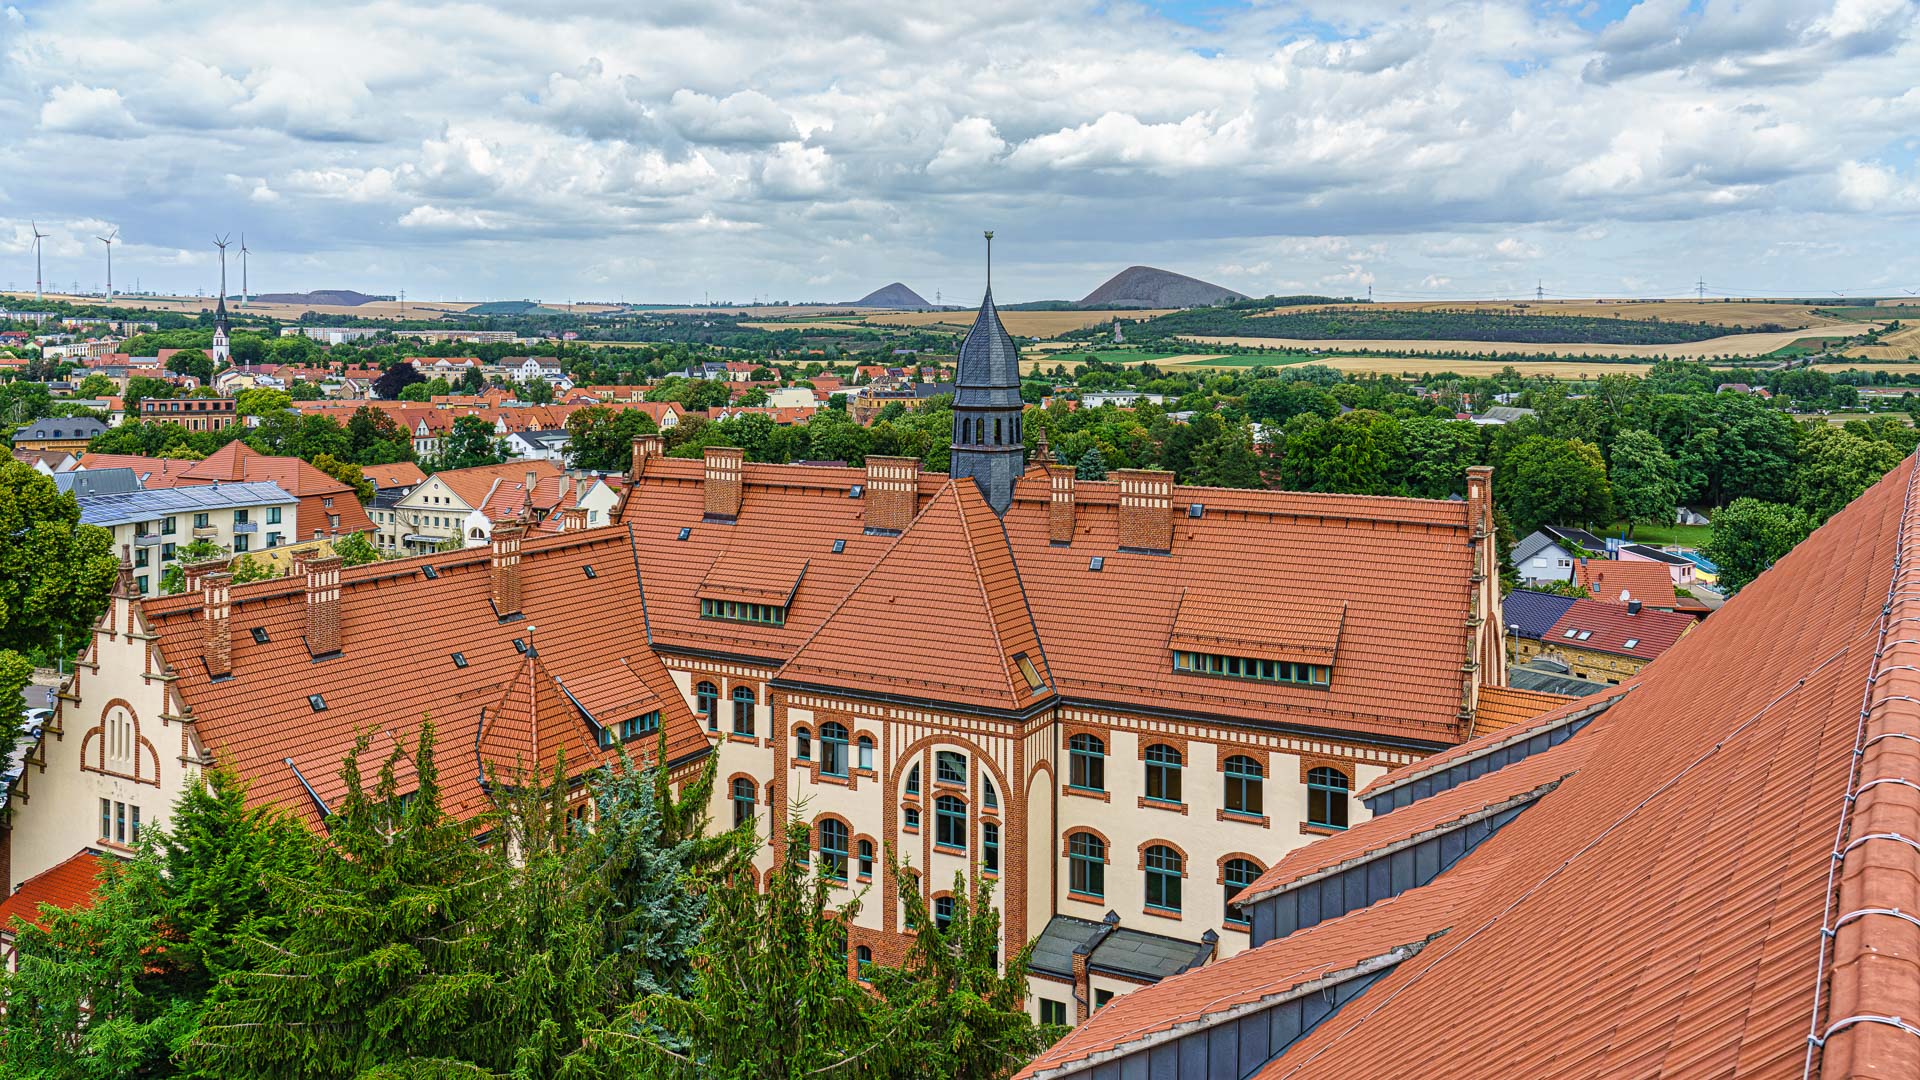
x=817 y=150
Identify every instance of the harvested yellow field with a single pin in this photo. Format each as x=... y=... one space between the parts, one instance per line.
x=1730 y=345
x=1891 y=367
x=193 y=305
x=1899 y=345
x=1730 y=313
x=1039 y=364
x=808 y=324
x=1040 y=324
x=1413 y=366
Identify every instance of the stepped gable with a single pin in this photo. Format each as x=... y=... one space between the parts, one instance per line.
x=1315 y=557
x=941 y=616
x=1730 y=869
x=399 y=630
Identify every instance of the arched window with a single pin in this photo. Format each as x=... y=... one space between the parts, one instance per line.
x=1164 y=868
x=742 y=801
x=1236 y=875
x=1246 y=786
x=833 y=748
x=743 y=710
x=990 y=846
x=910 y=819
x=866 y=754
x=950 y=767
x=1327 y=797
x=950 y=822
x=866 y=858
x=1087 y=865
x=802 y=744
x=943 y=911
x=833 y=849
x=863 y=956
x=996 y=431
x=706 y=698
x=989 y=798
x=1163 y=773
x=1086 y=763
x=913 y=780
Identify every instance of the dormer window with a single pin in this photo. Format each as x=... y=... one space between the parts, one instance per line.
x=737 y=611
x=1246 y=667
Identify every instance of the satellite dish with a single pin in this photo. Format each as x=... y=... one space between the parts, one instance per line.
x=1624 y=596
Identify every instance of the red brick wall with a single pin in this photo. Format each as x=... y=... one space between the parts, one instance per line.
x=1060 y=508
x=723 y=481
x=1146 y=509
x=893 y=487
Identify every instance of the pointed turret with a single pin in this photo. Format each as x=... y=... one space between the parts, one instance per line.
x=987 y=438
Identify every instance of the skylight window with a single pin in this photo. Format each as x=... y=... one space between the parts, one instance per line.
x=459 y=660
x=1195 y=510
x=260 y=635
x=1096 y=563
x=1585 y=634
x=685 y=532
x=432 y=574
x=839 y=547
x=519 y=646
x=1027 y=671
x=1633 y=642
x=1570 y=633
x=318 y=703
x=590 y=573
x=856 y=491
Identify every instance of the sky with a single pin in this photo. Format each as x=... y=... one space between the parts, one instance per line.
x=817 y=149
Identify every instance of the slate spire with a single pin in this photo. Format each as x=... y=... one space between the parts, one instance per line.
x=987 y=437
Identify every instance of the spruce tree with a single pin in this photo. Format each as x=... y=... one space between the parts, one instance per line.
x=1093 y=466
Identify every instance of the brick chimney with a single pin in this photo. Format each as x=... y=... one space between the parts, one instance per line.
x=580 y=486
x=191 y=573
x=1060 y=505
x=1146 y=509
x=219 y=643
x=505 y=568
x=573 y=519
x=645 y=449
x=724 y=483
x=1480 y=500
x=323 y=605
x=893 y=492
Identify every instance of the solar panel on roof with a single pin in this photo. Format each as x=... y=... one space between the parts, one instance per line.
x=260 y=635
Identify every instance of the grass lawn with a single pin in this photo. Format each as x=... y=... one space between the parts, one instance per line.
x=1253 y=360
x=1664 y=535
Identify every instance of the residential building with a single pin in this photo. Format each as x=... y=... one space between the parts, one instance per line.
x=1678 y=567
x=394 y=476
x=435 y=512
x=972 y=670
x=1706 y=873
x=70 y=434
x=328 y=335
x=84 y=483
x=149 y=527
x=540 y=445
x=68 y=885
x=47 y=462
x=328 y=507
x=1602 y=641
x=1540 y=558
x=194 y=414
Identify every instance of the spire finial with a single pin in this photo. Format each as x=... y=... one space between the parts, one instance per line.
x=989 y=260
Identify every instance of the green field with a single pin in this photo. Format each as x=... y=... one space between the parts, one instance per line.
x=1691 y=536
x=1254 y=360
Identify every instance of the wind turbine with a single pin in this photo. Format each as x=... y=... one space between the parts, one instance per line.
x=243 y=269
x=37 y=237
x=108 y=240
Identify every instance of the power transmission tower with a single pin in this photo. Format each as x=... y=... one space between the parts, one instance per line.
x=1700 y=288
x=1540 y=290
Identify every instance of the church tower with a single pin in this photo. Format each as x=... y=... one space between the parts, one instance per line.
x=220 y=352
x=987 y=442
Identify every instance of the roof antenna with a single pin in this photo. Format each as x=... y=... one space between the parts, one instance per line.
x=989 y=260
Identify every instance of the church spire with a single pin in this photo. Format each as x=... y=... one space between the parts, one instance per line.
x=220 y=351
x=987 y=440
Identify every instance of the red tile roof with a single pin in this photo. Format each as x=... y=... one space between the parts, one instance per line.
x=1501 y=707
x=396 y=475
x=1569 y=710
x=1716 y=880
x=68 y=885
x=238 y=462
x=1606 y=579
x=154 y=473
x=1610 y=627
x=474 y=484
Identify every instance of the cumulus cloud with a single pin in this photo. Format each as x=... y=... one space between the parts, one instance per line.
x=430 y=217
x=87 y=110
x=748 y=117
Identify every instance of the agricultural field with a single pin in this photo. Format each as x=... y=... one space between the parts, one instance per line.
x=193 y=305
x=1036 y=364
x=1901 y=344
x=1891 y=367
x=1040 y=324
x=1738 y=314
x=1415 y=366
x=1727 y=345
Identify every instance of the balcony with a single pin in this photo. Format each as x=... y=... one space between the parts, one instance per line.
x=146 y=539
x=240 y=527
x=205 y=532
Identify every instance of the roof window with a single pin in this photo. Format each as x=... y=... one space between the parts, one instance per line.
x=1096 y=563
x=318 y=703
x=856 y=491
x=590 y=573
x=260 y=635
x=1195 y=510
x=1570 y=633
x=519 y=646
x=432 y=574
x=1585 y=634
x=1028 y=671
x=1633 y=642
x=839 y=547
x=685 y=532
x=459 y=660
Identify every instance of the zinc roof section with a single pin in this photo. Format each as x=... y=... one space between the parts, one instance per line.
x=940 y=617
x=1501 y=707
x=1386 y=932
x=1532 y=614
x=1609 y=628
x=1453 y=808
x=1234 y=623
x=66 y=885
x=399 y=630
x=1568 y=711
x=1661 y=913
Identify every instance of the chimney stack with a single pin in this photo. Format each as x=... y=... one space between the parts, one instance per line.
x=893 y=492
x=1146 y=509
x=646 y=448
x=505 y=569
x=533 y=480
x=580 y=485
x=573 y=519
x=1480 y=501
x=219 y=643
x=724 y=482
x=323 y=605
x=1633 y=607
x=1060 y=506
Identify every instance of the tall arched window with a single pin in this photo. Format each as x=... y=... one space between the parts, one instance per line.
x=1327 y=797
x=706 y=698
x=996 y=431
x=833 y=849
x=1164 y=869
x=866 y=858
x=863 y=956
x=1235 y=876
x=743 y=798
x=1163 y=773
x=950 y=822
x=833 y=748
x=743 y=710
x=943 y=911
x=1086 y=763
x=990 y=846
x=1087 y=865
x=913 y=780
x=1246 y=784
x=989 y=798
x=866 y=754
